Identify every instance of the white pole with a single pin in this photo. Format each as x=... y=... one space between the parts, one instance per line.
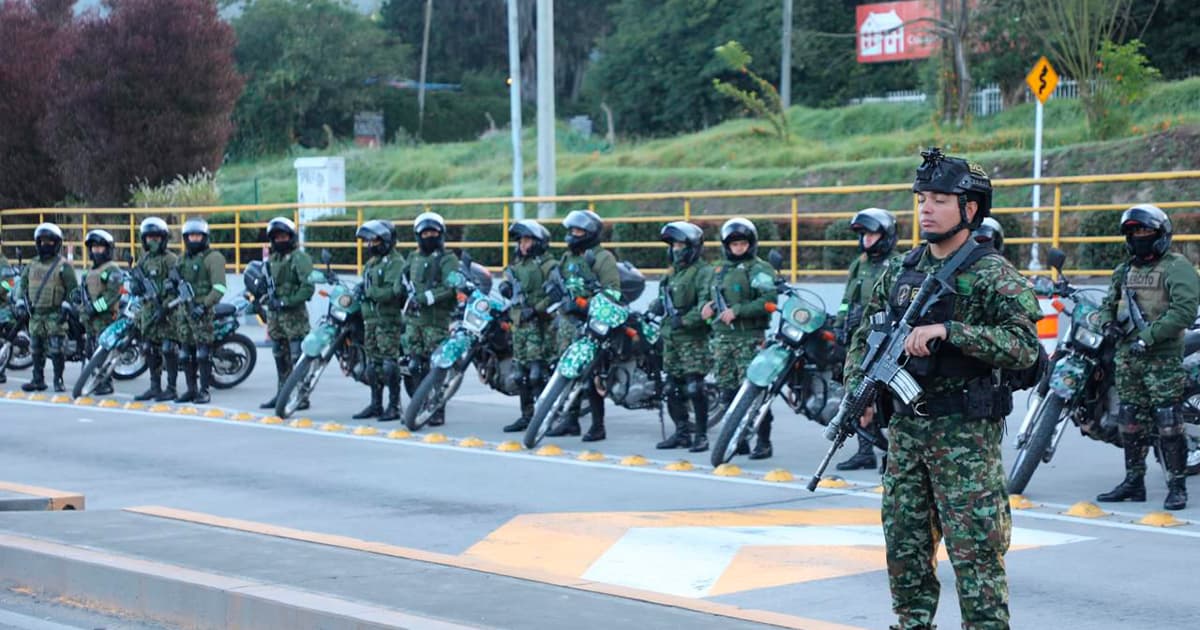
x=1035 y=262
x=514 y=102
x=785 y=65
x=424 y=64
x=545 y=104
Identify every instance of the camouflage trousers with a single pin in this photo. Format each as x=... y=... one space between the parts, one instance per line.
x=420 y=340
x=153 y=331
x=531 y=342
x=685 y=356
x=46 y=325
x=291 y=323
x=1149 y=382
x=944 y=479
x=731 y=355
x=192 y=331
x=566 y=330
x=382 y=339
x=98 y=322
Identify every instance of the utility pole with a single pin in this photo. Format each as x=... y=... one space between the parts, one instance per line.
x=514 y=103
x=424 y=64
x=545 y=106
x=785 y=65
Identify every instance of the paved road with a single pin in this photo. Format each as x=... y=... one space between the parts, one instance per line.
x=741 y=540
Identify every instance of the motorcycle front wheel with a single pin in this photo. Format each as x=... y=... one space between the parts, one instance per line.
x=233 y=359
x=554 y=399
x=1045 y=422
x=93 y=373
x=22 y=355
x=130 y=364
x=431 y=395
x=736 y=422
x=299 y=385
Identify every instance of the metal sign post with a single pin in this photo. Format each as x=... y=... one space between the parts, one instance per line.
x=1042 y=80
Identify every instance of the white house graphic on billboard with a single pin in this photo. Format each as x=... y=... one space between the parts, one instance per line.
x=874 y=41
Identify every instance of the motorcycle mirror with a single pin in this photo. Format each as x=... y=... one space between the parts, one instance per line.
x=776 y=259
x=129 y=259
x=466 y=262
x=1056 y=258
x=18 y=252
x=326 y=256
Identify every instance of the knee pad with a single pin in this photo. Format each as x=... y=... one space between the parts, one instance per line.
x=1169 y=421
x=521 y=374
x=1128 y=418
x=37 y=345
x=538 y=374
x=294 y=350
x=203 y=352
x=279 y=349
x=695 y=387
x=55 y=345
x=169 y=347
x=186 y=353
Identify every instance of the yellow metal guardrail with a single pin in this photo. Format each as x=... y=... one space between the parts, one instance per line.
x=123 y=222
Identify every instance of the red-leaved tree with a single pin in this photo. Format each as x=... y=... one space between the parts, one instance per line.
x=146 y=95
x=34 y=34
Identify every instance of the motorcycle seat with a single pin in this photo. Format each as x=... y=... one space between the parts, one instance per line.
x=224 y=309
x=1191 y=342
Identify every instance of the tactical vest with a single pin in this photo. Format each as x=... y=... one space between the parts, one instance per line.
x=96 y=280
x=56 y=290
x=1149 y=287
x=947 y=361
x=194 y=269
x=285 y=274
x=156 y=267
x=426 y=270
x=682 y=286
x=734 y=281
x=580 y=266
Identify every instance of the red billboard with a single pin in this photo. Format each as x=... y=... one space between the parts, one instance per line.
x=889 y=31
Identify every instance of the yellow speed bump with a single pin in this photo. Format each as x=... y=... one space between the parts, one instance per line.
x=727 y=470
x=435 y=438
x=549 y=450
x=62 y=398
x=365 y=431
x=779 y=475
x=508 y=447
x=1161 y=519
x=471 y=442
x=272 y=420
x=877 y=489
x=85 y=401
x=1086 y=509
x=214 y=413
x=243 y=416
x=132 y=406
x=591 y=456
x=16 y=394
x=1020 y=502
x=301 y=423
x=398 y=434
x=160 y=408
x=634 y=460
x=833 y=482
x=109 y=403
x=332 y=427
x=187 y=411
x=682 y=465
x=37 y=397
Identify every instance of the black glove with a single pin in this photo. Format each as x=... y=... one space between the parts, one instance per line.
x=528 y=314
x=553 y=291
x=656 y=307
x=275 y=304
x=360 y=291
x=1112 y=330
x=66 y=309
x=1138 y=348
x=197 y=311
x=506 y=290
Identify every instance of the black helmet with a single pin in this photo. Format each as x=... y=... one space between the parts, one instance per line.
x=255 y=279
x=590 y=223
x=155 y=225
x=99 y=237
x=195 y=226
x=879 y=221
x=285 y=225
x=1149 y=216
x=430 y=221
x=534 y=230
x=376 y=229
x=53 y=237
x=739 y=229
x=955 y=176
x=689 y=234
x=990 y=231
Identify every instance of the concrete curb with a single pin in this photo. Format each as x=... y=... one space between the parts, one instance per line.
x=34 y=498
x=175 y=595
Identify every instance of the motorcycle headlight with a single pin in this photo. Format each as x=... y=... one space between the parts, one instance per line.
x=1087 y=338
x=474 y=319
x=599 y=327
x=345 y=300
x=338 y=315
x=791 y=332
x=482 y=306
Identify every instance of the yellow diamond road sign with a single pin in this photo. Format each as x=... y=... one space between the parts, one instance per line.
x=1042 y=79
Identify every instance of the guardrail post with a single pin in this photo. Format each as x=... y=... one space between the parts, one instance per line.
x=83 y=241
x=358 y=244
x=132 y=237
x=237 y=240
x=916 y=221
x=687 y=209
x=592 y=206
x=1056 y=230
x=504 y=237
x=795 y=237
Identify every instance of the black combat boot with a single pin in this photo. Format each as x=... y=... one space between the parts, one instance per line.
x=104 y=387
x=171 y=363
x=864 y=459
x=373 y=378
x=525 y=392
x=1174 y=453
x=59 y=362
x=1133 y=488
x=595 y=433
x=189 y=377
x=391 y=378
x=762 y=447
x=700 y=408
x=569 y=423
x=283 y=368
x=38 y=382
x=154 y=365
x=204 y=367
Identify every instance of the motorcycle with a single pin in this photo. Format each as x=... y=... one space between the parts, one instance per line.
x=481 y=336
x=796 y=364
x=339 y=334
x=14 y=324
x=1079 y=384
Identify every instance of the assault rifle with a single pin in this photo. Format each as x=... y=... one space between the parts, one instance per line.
x=185 y=295
x=669 y=308
x=883 y=365
x=1136 y=315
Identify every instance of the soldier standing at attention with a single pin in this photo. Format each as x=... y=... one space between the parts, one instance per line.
x=103 y=286
x=532 y=336
x=204 y=269
x=383 y=318
x=944 y=477
x=1156 y=293
x=159 y=339
x=434 y=276
x=287 y=311
x=46 y=282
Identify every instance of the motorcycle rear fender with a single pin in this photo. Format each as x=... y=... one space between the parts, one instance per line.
x=451 y=350
x=1068 y=377
x=318 y=340
x=114 y=334
x=767 y=365
x=578 y=357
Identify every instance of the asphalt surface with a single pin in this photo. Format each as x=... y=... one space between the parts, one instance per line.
x=739 y=540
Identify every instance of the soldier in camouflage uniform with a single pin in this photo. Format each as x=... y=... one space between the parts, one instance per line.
x=746 y=284
x=160 y=341
x=526 y=276
x=287 y=309
x=433 y=275
x=7 y=279
x=1150 y=377
x=204 y=269
x=102 y=285
x=944 y=476
x=587 y=268
x=46 y=282
x=685 y=334
x=383 y=318
x=876 y=229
